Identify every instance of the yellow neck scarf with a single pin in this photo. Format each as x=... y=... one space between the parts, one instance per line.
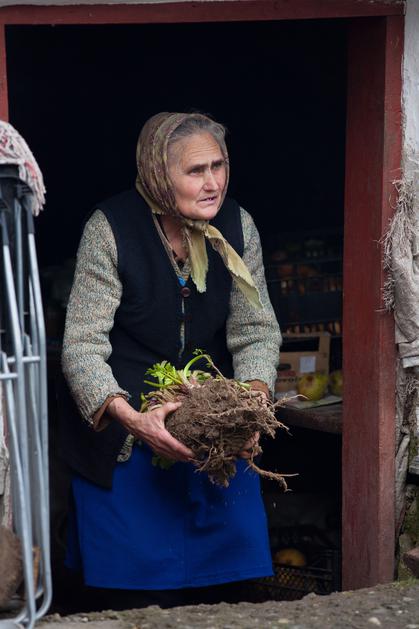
x=154 y=185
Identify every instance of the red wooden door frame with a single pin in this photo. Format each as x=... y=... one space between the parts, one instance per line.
x=373 y=158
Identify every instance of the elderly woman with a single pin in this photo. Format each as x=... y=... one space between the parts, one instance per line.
x=162 y=269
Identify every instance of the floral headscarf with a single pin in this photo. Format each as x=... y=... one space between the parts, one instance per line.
x=154 y=185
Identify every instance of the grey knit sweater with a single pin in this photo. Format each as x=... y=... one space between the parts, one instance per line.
x=253 y=336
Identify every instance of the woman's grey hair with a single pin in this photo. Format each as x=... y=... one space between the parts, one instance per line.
x=198 y=123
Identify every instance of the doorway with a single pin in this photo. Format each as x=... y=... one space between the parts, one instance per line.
x=372 y=162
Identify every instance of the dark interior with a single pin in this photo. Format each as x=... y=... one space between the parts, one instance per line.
x=80 y=94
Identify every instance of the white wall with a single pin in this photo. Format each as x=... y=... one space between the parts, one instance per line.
x=411 y=113
x=411 y=93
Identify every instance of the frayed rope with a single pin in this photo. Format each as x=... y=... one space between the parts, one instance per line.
x=398 y=237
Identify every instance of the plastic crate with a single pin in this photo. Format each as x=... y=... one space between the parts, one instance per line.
x=292 y=583
x=306 y=304
x=304 y=277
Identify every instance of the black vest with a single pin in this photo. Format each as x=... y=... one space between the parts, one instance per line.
x=147 y=322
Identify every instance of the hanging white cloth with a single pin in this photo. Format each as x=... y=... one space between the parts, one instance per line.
x=15 y=151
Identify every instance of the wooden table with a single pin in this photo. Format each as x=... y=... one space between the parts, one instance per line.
x=322 y=418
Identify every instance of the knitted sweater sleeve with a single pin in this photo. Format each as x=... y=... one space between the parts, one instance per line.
x=94 y=299
x=253 y=336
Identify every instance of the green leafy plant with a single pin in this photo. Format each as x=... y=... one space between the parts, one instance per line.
x=171 y=383
x=168 y=376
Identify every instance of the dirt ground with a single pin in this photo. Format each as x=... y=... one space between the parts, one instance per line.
x=392 y=606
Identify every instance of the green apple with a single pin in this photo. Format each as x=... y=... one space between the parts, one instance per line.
x=313 y=385
x=336 y=382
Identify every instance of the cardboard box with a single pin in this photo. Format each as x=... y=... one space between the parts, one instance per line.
x=307 y=353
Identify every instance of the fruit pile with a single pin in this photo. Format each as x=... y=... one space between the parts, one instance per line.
x=314 y=386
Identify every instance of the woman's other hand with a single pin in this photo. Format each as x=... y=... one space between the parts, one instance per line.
x=260 y=387
x=251 y=447
x=150 y=428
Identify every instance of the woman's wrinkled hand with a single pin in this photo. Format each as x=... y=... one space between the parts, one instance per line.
x=153 y=432
x=150 y=428
x=264 y=398
x=250 y=447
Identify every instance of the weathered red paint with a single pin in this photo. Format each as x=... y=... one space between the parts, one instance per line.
x=4 y=106
x=229 y=10
x=373 y=161
x=373 y=156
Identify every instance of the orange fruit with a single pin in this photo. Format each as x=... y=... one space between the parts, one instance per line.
x=290 y=557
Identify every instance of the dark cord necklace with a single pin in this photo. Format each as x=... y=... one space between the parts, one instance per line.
x=179 y=261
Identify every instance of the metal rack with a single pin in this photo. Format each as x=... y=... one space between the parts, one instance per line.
x=24 y=382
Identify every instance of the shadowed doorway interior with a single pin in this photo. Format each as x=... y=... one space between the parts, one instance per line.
x=80 y=94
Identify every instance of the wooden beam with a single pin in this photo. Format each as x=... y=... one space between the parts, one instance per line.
x=373 y=154
x=4 y=105
x=229 y=10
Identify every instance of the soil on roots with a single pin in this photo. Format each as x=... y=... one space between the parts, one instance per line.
x=216 y=420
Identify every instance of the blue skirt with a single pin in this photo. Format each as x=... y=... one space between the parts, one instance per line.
x=167 y=529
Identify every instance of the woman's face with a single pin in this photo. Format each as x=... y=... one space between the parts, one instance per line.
x=197 y=170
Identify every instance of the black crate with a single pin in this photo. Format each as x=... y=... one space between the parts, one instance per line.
x=304 y=277
x=306 y=304
x=291 y=583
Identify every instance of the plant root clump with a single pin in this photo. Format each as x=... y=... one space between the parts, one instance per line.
x=216 y=420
